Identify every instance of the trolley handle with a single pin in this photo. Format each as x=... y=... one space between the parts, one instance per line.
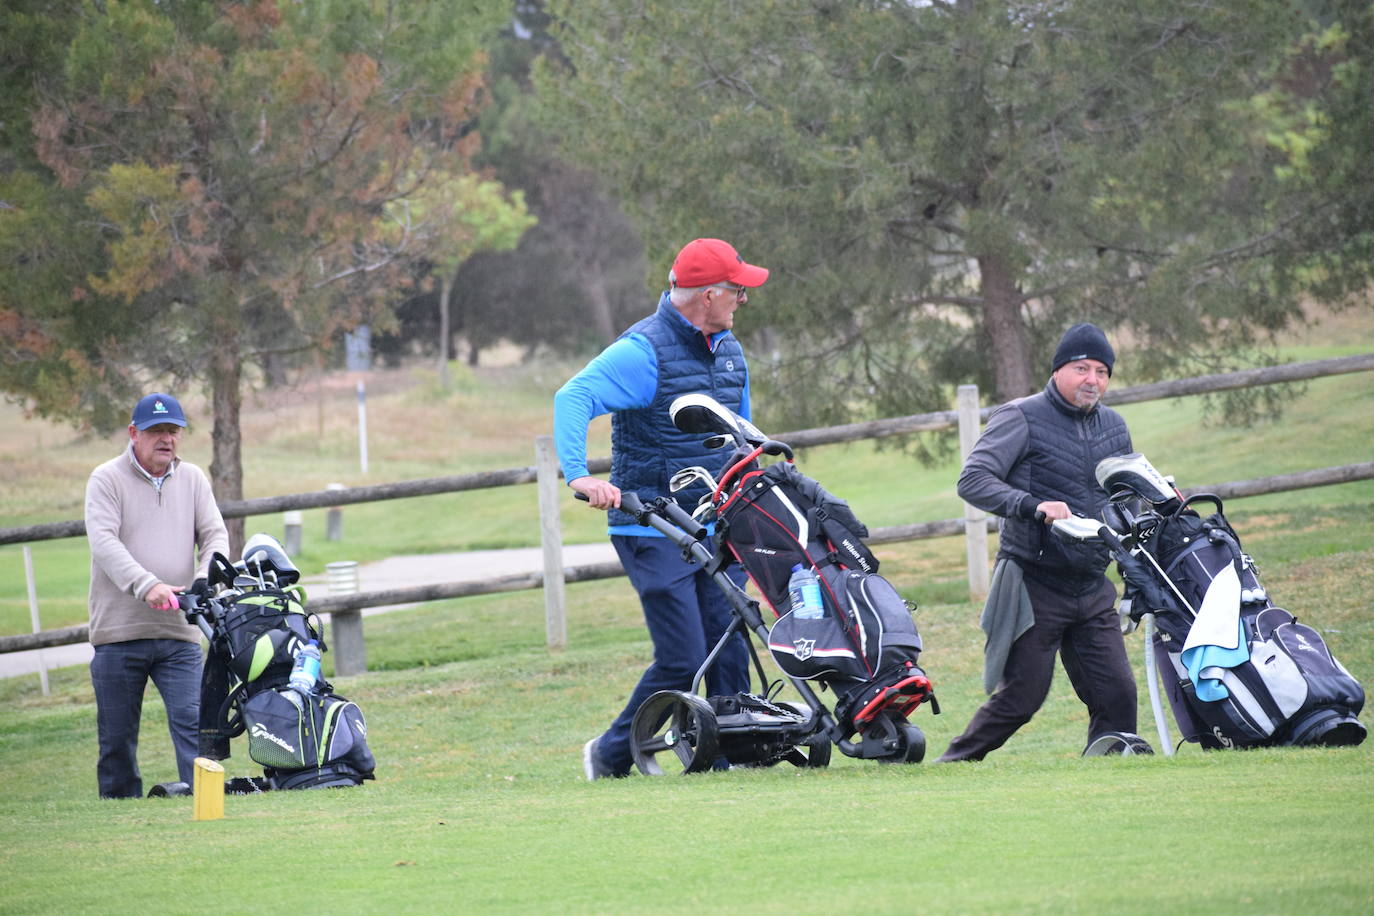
x=678 y=516
x=663 y=515
x=776 y=448
x=194 y=604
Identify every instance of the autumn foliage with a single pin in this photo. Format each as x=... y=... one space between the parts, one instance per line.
x=226 y=176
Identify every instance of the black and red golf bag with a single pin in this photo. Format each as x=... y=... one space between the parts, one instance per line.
x=852 y=634
x=865 y=646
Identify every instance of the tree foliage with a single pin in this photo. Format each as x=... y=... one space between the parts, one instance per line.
x=941 y=188
x=460 y=215
x=1318 y=122
x=208 y=183
x=577 y=278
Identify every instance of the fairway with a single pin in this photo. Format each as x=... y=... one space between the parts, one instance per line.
x=479 y=804
x=362 y=246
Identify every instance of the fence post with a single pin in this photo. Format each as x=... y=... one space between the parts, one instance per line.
x=551 y=538
x=291 y=531
x=350 y=652
x=362 y=427
x=333 y=518
x=33 y=616
x=975 y=519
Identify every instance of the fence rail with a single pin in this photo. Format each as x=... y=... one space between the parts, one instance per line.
x=967 y=417
x=333 y=604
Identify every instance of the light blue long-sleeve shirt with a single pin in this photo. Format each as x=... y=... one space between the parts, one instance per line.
x=624 y=376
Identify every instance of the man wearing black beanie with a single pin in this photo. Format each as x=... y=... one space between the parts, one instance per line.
x=1034 y=463
x=1084 y=341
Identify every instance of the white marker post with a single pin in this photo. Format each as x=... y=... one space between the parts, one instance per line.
x=362 y=426
x=33 y=617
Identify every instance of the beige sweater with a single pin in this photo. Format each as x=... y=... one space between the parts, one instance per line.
x=139 y=536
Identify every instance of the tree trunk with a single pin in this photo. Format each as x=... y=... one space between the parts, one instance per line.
x=595 y=285
x=445 y=295
x=1005 y=329
x=226 y=463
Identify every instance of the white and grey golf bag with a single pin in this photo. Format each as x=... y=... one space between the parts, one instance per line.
x=1239 y=671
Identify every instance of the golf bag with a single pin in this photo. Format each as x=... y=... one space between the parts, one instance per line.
x=254 y=621
x=862 y=644
x=865 y=646
x=1239 y=671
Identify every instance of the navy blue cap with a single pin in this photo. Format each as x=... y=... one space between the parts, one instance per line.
x=157 y=408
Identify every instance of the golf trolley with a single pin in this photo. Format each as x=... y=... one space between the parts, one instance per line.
x=302 y=733
x=863 y=647
x=1238 y=670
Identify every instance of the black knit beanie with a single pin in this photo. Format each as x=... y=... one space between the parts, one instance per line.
x=1084 y=341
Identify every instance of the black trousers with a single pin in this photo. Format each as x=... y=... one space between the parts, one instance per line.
x=1085 y=632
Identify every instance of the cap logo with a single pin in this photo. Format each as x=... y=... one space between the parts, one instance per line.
x=158 y=408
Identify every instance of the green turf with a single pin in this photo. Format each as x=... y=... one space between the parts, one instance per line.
x=477 y=728
x=479 y=805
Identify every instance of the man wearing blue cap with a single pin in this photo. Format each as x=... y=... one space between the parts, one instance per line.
x=1036 y=462
x=147 y=512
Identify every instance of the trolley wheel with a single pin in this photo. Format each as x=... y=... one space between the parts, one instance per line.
x=817 y=752
x=813 y=753
x=894 y=739
x=677 y=722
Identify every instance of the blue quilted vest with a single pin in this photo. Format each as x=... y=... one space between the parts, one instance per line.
x=1060 y=464
x=646 y=449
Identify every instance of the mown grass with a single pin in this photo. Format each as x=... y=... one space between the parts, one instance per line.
x=477 y=727
x=479 y=805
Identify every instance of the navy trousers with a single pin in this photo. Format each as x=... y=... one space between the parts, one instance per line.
x=686 y=614
x=1085 y=632
x=119 y=674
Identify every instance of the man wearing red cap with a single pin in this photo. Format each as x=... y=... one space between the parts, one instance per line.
x=685 y=346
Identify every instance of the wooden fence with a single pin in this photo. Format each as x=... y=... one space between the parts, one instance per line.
x=974 y=525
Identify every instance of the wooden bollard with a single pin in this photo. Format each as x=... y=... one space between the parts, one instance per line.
x=208 y=789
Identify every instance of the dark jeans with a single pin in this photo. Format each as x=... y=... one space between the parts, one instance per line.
x=119 y=674
x=1085 y=632
x=686 y=614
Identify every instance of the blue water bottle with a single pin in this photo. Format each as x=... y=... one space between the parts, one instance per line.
x=805 y=590
x=306 y=671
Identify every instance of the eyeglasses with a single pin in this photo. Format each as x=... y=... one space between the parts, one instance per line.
x=739 y=291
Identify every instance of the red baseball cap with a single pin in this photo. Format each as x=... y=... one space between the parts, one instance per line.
x=705 y=262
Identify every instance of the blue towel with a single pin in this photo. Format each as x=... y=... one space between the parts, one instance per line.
x=1202 y=663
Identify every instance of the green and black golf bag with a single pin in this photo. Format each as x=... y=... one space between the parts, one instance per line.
x=303 y=736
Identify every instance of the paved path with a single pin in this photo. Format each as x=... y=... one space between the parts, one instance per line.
x=393 y=572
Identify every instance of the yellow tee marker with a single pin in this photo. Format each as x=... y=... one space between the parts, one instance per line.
x=208 y=789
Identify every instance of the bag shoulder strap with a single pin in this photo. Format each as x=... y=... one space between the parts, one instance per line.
x=846 y=549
